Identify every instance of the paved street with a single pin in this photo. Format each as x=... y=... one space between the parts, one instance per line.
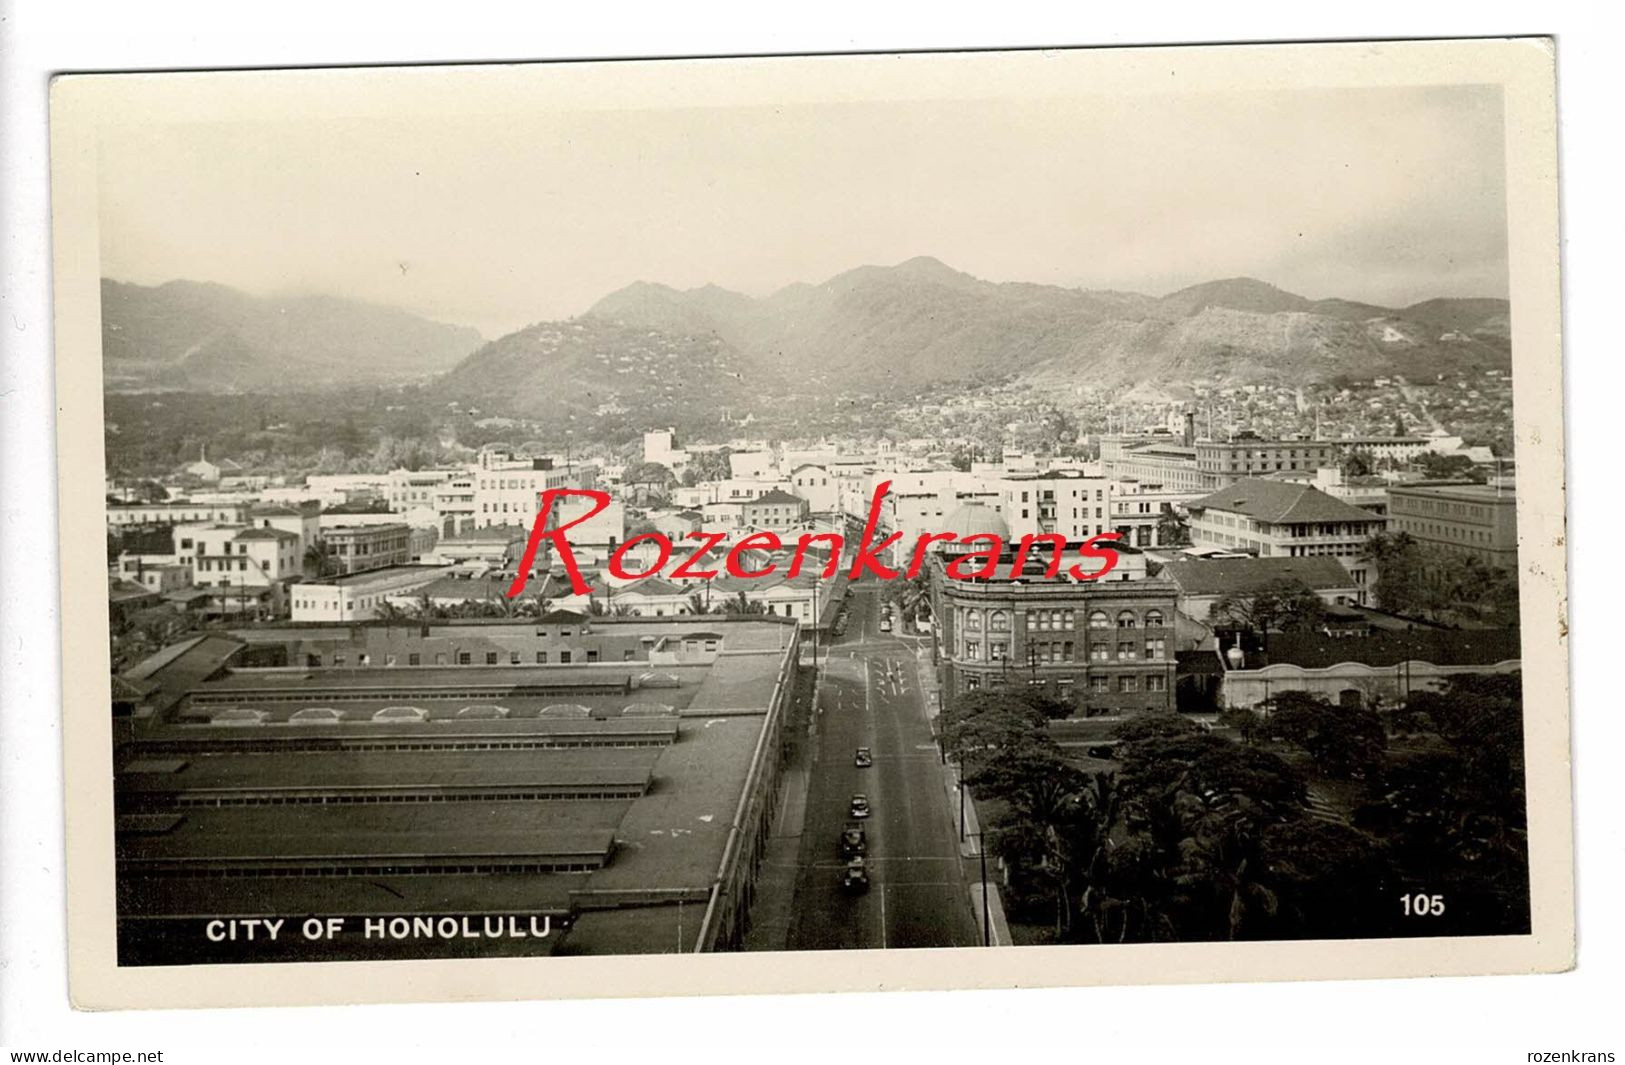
x=918 y=895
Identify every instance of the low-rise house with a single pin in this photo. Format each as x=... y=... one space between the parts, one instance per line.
x=358 y=596
x=1204 y=581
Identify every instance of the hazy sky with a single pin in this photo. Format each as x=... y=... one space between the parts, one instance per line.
x=1383 y=195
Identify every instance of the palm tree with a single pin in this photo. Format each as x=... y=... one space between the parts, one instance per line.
x=317 y=560
x=425 y=609
x=743 y=604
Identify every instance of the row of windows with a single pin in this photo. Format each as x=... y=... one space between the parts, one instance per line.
x=1058 y=620
x=1155 y=648
x=1413 y=505
x=1048 y=495
x=356 y=799
x=1322 y=550
x=1446 y=532
x=1127 y=683
x=393 y=544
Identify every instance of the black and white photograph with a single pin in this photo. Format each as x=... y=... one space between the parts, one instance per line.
x=1028 y=505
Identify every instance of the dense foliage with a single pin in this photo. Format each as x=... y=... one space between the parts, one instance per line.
x=1196 y=836
x=1418 y=580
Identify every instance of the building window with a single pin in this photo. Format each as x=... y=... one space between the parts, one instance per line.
x=973 y=621
x=1153 y=619
x=1128 y=684
x=1100 y=652
x=1157 y=648
x=1127 y=650
x=999 y=622
x=1156 y=682
x=414 y=658
x=541 y=658
x=998 y=650
x=592 y=656
x=1100 y=684
x=564 y=658
x=1099 y=620
x=1126 y=619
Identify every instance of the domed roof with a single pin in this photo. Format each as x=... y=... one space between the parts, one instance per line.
x=972 y=519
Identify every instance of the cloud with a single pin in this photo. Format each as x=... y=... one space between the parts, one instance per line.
x=497 y=220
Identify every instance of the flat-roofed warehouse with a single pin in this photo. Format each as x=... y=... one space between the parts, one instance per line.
x=623 y=800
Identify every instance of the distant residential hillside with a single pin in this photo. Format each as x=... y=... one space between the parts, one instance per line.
x=588 y=372
x=207 y=337
x=893 y=330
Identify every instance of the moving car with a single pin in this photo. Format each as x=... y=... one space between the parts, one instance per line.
x=854 y=842
x=860 y=806
x=885 y=624
x=863 y=759
x=856 y=877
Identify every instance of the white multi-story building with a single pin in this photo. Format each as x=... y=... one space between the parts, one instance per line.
x=303 y=520
x=1271 y=518
x=1138 y=509
x=1068 y=503
x=358 y=596
x=752 y=465
x=817 y=486
x=415 y=489
x=508 y=492
x=660 y=445
x=177 y=513
x=244 y=561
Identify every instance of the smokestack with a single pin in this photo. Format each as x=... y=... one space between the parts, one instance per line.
x=1190 y=428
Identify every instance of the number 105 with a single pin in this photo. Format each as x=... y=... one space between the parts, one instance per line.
x=1420 y=905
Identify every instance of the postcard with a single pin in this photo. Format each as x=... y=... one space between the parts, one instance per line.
x=817 y=523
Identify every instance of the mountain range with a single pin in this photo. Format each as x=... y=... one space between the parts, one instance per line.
x=652 y=352
x=208 y=337
x=898 y=329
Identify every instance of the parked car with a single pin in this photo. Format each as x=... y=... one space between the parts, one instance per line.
x=863 y=759
x=860 y=806
x=885 y=624
x=856 y=878
x=854 y=842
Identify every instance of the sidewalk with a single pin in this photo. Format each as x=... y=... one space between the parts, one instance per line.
x=773 y=909
x=970 y=839
x=995 y=909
